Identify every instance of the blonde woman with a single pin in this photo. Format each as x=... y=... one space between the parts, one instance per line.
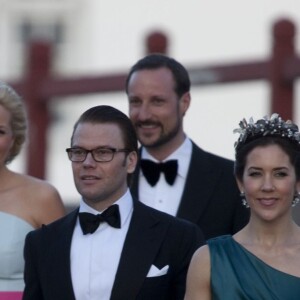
x=25 y=202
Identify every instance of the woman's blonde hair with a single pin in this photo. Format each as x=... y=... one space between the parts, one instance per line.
x=12 y=102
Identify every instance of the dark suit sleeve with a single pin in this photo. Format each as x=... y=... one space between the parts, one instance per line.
x=189 y=239
x=32 y=289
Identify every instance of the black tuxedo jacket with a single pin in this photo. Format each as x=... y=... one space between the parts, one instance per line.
x=153 y=238
x=211 y=197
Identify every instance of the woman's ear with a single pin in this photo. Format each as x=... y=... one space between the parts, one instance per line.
x=298 y=186
x=240 y=185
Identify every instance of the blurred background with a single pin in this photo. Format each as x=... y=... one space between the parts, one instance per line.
x=95 y=37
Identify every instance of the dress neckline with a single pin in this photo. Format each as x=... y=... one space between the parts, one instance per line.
x=17 y=218
x=259 y=259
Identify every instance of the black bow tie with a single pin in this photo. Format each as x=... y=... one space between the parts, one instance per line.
x=90 y=222
x=152 y=170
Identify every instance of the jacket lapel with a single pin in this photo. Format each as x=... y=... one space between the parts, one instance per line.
x=142 y=243
x=201 y=180
x=60 y=255
x=135 y=179
x=200 y=183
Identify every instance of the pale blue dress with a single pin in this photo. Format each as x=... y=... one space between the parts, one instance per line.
x=12 y=237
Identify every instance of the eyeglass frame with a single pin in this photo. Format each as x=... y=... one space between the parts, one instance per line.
x=113 y=151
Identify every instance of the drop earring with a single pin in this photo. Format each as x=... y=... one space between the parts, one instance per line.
x=296 y=199
x=244 y=201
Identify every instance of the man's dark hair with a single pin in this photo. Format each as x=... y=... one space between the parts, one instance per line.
x=156 y=61
x=108 y=114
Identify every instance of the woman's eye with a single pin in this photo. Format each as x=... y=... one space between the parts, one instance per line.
x=254 y=174
x=281 y=174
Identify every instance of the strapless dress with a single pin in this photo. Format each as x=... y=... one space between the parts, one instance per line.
x=13 y=231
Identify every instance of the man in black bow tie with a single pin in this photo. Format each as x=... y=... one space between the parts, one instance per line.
x=111 y=247
x=201 y=188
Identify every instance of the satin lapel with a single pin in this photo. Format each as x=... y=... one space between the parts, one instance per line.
x=135 y=182
x=135 y=179
x=143 y=240
x=60 y=259
x=201 y=180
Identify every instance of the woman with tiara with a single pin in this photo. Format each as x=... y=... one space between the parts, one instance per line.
x=261 y=261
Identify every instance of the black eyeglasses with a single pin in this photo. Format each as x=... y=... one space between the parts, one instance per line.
x=98 y=154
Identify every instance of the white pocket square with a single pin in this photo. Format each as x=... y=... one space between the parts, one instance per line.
x=154 y=271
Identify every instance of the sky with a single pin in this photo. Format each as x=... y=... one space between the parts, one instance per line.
x=108 y=37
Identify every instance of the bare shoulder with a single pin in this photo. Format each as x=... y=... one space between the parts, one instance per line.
x=201 y=259
x=39 y=185
x=42 y=199
x=198 y=278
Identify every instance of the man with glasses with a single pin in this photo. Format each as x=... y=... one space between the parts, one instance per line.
x=135 y=253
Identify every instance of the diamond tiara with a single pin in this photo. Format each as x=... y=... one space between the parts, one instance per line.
x=273 y=126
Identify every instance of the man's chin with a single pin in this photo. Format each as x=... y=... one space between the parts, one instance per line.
x=146 y=142
x=152 y=144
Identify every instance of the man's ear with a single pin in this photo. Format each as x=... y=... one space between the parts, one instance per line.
x=185 y=101
x=132 y=159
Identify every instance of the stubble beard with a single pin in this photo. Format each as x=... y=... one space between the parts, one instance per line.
x=164 y=137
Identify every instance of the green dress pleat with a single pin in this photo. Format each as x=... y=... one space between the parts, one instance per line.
x=237 y=274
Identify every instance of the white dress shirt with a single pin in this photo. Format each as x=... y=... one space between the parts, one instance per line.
x=163 y=196
x=95 y=257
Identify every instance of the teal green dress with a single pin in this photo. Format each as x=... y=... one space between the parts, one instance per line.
x=237 y=274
